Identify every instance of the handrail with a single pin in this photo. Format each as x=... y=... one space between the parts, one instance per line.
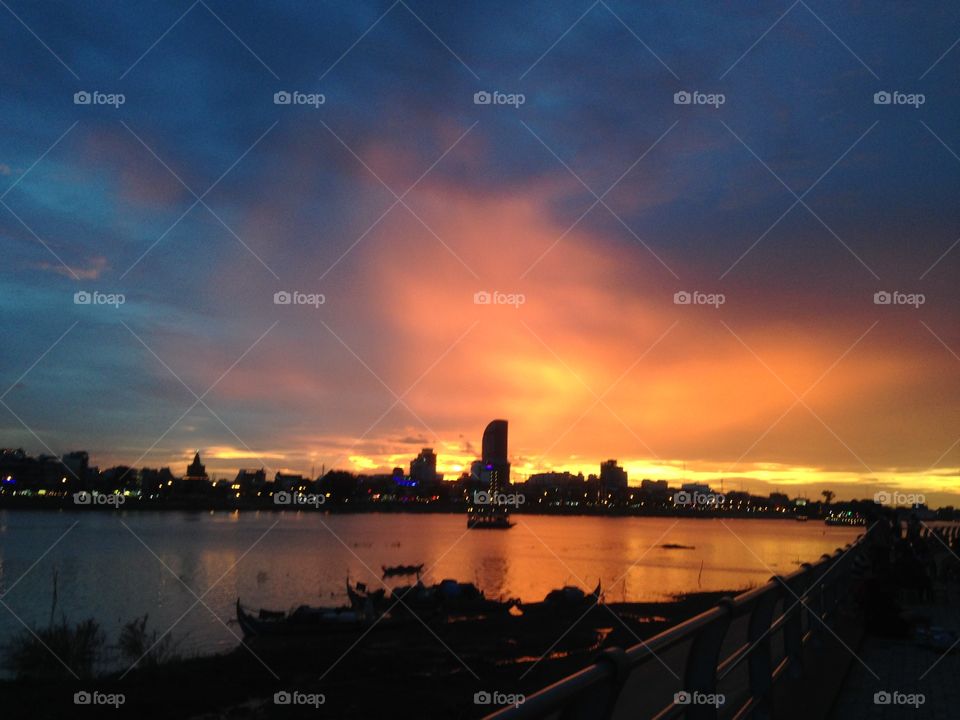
x=593 y=691
x=813 y=592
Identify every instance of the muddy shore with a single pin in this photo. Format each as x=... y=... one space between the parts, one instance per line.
x=415 y=670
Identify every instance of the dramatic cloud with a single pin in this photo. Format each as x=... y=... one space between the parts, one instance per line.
x=450 y=262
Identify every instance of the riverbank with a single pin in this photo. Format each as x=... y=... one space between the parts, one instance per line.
x=417 y=670
x=207 y=504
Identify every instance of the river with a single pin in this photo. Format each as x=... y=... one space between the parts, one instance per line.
x=118 y=566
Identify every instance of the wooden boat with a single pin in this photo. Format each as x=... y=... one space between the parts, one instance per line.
x=371 y=603
x=303 y=621
x=566 y=600
x=448 y=598
x=401 y=570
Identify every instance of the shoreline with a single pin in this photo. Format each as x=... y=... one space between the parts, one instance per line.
x=399 y=671
x=206 y=506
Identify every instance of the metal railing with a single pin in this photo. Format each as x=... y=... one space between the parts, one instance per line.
x=742 y=648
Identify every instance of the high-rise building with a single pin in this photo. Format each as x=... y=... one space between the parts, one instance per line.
x=423 y=468
x=77 y=464
x=612 y=477
x=496 y=467
x=488 y=508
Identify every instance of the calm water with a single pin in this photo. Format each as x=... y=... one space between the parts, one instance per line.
x=115 y=567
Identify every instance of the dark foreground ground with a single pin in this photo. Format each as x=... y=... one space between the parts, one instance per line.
x=408 y=671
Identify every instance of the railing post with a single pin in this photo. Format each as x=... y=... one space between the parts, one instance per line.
x=599 y=702
x=829 y=596
x=759 y=663
x=793 y=624
x=815 y=602
x=702 y=660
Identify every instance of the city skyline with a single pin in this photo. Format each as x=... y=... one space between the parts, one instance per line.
x=426 y=464
x=311 y=254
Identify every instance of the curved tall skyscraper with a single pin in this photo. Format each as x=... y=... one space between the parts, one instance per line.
x=496 y=467
x=489 y=508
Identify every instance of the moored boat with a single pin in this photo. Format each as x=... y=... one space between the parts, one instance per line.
x=564 y=601
x=448 y=598
x=304 y=620
x=371 y=603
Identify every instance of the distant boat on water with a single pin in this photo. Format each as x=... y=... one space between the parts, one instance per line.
x=489 y=521
x=488 y=516
x=393 y=570
x=845 y=518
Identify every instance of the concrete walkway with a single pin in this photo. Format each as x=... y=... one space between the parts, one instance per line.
x=918 y=682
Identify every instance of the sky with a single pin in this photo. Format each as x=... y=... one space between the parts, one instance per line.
x=586 y=201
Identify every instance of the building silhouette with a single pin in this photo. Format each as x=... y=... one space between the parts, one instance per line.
x=496 y=468
x=423 y=468
x=489 y=506
x=613 y=479
x=196 y=470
